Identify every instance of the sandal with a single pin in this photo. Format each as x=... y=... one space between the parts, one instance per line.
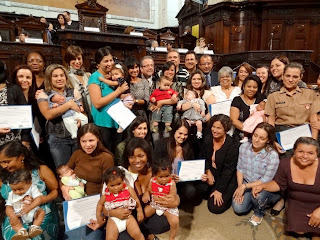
x=253 y=222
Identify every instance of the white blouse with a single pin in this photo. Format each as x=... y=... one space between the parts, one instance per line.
x=221 y=96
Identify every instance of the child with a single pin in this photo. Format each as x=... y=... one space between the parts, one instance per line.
x=69 y=178
x=162 y=184
x=191 y=115
x=118 y=77
x=165 y=113
x=70 y=117
x=23 y=203
x=118 y=194
x=256 y=116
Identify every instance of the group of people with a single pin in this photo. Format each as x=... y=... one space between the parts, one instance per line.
x=83 y=151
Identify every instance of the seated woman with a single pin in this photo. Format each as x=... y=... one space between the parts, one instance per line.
x=178 y=148
x=243 y=71
x=89 y=162
x=137 y=160
x=221 y=154
x=240 y=106
x=264 y=161
x=138 y=128
x=299 y=177
x=201 y=46
x=15 y=156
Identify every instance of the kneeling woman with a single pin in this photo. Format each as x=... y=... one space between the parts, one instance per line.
x=257 y=163
x=221 y=154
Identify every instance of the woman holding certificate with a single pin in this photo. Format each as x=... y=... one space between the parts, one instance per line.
x=258 y=162
x=178 y=148
x=221 y=154
x=15 y=156
x=299 y=177
x=89 y=162
x=102 y=96
x=11 y=94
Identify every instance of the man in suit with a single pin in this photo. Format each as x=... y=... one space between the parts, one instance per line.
x=206 y=66
x=70 y=23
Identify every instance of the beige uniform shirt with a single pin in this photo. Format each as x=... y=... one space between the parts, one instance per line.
x=292 y=110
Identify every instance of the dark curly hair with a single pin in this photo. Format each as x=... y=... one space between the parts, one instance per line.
x=112 y=174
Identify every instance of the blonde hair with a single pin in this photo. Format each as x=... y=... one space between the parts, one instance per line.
x=48 y=76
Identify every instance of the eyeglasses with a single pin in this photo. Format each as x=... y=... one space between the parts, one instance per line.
x=35 y=60
x=205 y=64
x=148 y=66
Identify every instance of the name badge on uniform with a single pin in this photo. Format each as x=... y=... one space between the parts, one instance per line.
x=280 y=102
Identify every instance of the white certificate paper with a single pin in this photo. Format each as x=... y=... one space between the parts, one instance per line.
x=78 y=212
x=220 y=108
x=288 y=137
x=191 y=170
x=16 y=116
x=121 y=114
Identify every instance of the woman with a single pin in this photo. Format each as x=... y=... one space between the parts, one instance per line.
x=61 y=144
x=299 y=176
x=264 y=161
x=225 y=91
x=89 y=162
x=62 y=22
x=11 y=94
x=78 y=77
x=240 y=106
x=137 y=159
x=197 y=83
x=243 y=71
x=201 y=46
x=178 y=148
x=263 y=73
x=138 y=128
x=102 y=96
x=221 y=154
x=37 y=62
x=14 y=156
x=139 y=88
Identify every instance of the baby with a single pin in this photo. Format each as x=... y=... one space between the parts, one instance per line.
x=256 y=116
x=161 y=184
x=118 y=77
x=119 y=195
x=191 y=115
x=23 y=203
x=165 y=113
x=70 y=117
x=69 y=178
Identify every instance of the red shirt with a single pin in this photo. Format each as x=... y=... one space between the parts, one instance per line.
x=162 y=95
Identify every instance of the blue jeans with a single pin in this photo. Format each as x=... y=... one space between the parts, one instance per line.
x=85 y=233
x=259 y=204
x=165 y=114
x=61 y=149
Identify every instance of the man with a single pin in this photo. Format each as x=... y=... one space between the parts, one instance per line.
x=147 y=72
x=70 y=23
x=181 y=73
x=206 y=66
x=190 y=61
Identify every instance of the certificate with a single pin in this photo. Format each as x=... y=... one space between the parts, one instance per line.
x=78 y=212
x=16 y=116
x=220 y=108
x=191 y=170
x=120 y=114
x=288 y=137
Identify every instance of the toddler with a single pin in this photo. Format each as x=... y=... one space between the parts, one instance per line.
x=23 y=203
x=118 y=77
x=256 y=116
x=69 y=178
x=191 y=115
x=70 y=117
x=161 y=184
x=165 y=113
x=118 y=194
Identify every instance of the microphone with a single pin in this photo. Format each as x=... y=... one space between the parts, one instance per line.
x=271 y=38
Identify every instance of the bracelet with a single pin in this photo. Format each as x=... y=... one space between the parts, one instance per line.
x=245 y=186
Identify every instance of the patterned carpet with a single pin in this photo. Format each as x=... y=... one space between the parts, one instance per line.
x=199 y=223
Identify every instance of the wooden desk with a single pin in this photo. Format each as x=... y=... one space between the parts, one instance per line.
x=122 y=45
x=12 y=53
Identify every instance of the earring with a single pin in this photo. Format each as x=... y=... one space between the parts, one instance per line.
x=21 y=160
